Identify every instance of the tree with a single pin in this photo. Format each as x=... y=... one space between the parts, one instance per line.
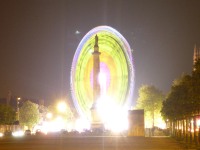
x=195 y=92
x=178 y=102
x=150 y=99
x=29 y=114
x=184 y=97
x=7 y=114
x=182 y=105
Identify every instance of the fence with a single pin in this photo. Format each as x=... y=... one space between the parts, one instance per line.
x=187 y=130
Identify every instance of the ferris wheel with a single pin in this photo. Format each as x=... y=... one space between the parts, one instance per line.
x=116 y=77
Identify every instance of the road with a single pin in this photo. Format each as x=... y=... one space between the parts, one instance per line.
x=88 y=143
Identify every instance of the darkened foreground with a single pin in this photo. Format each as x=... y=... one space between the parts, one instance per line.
x=88 y=143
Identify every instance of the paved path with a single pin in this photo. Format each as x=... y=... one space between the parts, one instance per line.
x=89 y=143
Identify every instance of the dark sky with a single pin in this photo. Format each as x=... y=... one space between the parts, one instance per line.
x=38 y=41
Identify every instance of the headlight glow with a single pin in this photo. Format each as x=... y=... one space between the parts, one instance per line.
x=18 y=133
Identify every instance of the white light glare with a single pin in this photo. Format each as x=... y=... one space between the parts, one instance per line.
x=53 y=126
x=62 y=106
x=18 y=133
x=82 y=124
x=49 y=115
x=198 y=122
x=1 y=134
x=115 y=118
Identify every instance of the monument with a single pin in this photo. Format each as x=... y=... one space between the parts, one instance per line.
x=96 y=120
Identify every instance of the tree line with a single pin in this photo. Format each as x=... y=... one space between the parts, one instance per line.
x=181 y=108
x=30 y=114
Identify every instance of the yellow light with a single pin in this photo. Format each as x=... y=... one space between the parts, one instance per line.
x=62 y=106
x=161 y=124
x=1 y=134
x=49 y=115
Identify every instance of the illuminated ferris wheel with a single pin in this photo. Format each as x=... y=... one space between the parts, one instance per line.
x=116 y=76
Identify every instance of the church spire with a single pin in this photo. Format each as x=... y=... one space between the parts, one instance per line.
x=195 y=56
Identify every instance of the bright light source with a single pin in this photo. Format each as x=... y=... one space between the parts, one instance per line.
x=160 y=123
x=114 y=117
x=62 y=106
x=198 y=122
x=102 y=77
x=77 y=32
x=1 y=134
x=18 y=133
x=55 y=125
x=102 y=81
x=49 y=115
x=82 y=124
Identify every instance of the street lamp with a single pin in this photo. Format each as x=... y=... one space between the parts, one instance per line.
x=18 y=99
x=62 y=106
x=49 y=115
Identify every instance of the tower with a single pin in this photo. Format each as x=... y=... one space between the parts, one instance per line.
x=196 y=55
x=96 y=121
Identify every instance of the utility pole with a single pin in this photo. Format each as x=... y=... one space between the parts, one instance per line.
x=18 y=99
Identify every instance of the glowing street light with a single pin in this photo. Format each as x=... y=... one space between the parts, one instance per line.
x=62 y=106
x=49 y=115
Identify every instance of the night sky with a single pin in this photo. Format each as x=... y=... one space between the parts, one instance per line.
x=38 y=40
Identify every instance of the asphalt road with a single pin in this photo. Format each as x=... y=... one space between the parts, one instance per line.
x=88 y=143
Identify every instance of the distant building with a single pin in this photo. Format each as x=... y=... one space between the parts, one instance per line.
x=136 y=123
